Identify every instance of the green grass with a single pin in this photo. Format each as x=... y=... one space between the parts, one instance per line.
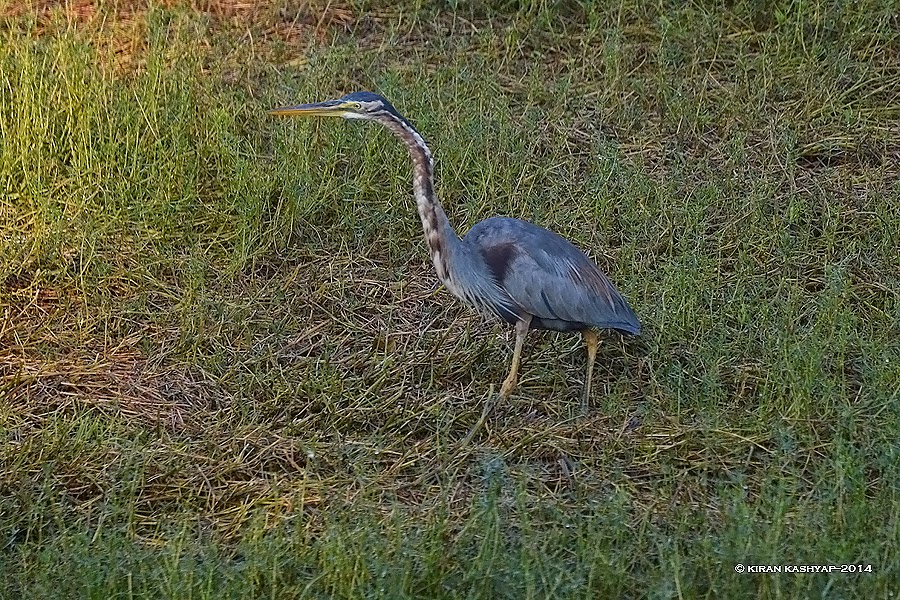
x=227 y=369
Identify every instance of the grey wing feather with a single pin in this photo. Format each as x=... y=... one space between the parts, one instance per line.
x=549 y=278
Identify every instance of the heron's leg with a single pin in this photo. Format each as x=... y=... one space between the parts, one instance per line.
x=593 y=341
x=509 y=384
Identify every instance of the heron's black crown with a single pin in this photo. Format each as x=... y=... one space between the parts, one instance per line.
x=373 y=97
x=367 y=97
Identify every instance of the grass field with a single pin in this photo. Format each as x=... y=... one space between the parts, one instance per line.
x=227 y=369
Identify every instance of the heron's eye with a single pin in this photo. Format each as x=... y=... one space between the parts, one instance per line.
x=357 y=105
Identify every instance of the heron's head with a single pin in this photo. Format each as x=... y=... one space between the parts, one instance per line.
x=358 y=105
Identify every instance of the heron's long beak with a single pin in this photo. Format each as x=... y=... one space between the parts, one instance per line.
x=331 y=108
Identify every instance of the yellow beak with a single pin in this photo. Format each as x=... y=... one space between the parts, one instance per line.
x=330 y=108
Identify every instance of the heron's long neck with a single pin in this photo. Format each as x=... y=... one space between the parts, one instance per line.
x=439 y=234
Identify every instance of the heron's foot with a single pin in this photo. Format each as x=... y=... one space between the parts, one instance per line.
x=488 y=404
x=509 y=385
x=586 y=401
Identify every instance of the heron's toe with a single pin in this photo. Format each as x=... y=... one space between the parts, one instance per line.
x=507 y=388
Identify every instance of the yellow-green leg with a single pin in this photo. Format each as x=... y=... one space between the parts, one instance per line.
x=509 y=384
x=593 y=341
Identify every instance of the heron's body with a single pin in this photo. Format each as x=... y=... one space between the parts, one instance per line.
x=524 y=274
x=548 y=278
